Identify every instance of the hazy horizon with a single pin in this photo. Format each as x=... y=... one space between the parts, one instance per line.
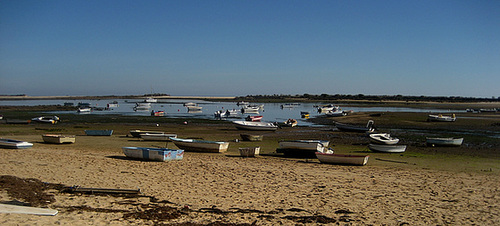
x=240 y=48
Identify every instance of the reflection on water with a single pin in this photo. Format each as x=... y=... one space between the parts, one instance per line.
x=273 y=112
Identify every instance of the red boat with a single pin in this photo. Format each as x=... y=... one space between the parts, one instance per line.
x=256 y=118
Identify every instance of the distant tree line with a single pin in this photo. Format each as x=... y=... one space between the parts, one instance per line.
x=361 y=97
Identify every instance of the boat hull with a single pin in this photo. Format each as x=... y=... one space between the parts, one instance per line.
x=157 y=137
x=258 y=126
x=14 y=144
x=340 y=159
x=200 y=145
x=441 y=118
x=307 y=145
x=155 y=154
x=99 y=132
x=137 y=133
x=383 y=138
x=444 y=141
x=58 y=139
x=387 y=148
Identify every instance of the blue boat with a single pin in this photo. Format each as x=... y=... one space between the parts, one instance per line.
x=156 y=154
x=98 y=132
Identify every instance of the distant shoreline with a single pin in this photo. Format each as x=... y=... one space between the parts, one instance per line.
x=13 y=97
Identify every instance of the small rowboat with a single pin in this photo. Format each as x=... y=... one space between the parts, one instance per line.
x=99 y=132
x=383 y=138
x=444 y=141
x=58 y=139
x=15 y=144
x=387 y=148
x=200 y=145
x=156 y=154
x=306 y=145
x=157 y=136
x=251 y=137
x=331 y=158
x=137 y=132
x=441 y=118
x=264 y=126
x=352 y=128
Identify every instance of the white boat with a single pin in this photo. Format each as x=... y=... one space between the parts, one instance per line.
x=336 y=113
x=15 y=144
x=137 y=132
x=156 y=154
x=439 y=141
x=58 y=139
x=157 y=136
x=352 y=128
x=142 y=106
x=200 y=145
x=46 y=119
x=194 y=108
x=226 y=113
x=84 y=110
x=387 y=148
x=189 y=104
x=113 y=104
x=250 y=110
x=383 y=138
x=327 y=108
x=263 y=126
x=150 y=100
x=329 y=157
x=242 y=103
x=441 y=118
x=306 y=145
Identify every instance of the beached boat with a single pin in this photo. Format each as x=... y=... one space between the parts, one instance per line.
x=102 y=132
x=84 y=110
x=441 y=118
x=15 y=144
x=387 y=148
x=58 y=139
x=46 y=119
x=440 y=141
x=156 y=154
x=263 y=126
x=157 y=136
x=157 y=113
x=137 y=132
x=307 y=145
x=200 y=145
x=251 y=137
x=249 y=152
x=254 y=118
x=383 y=138
x=329 y=157
x=353 y=128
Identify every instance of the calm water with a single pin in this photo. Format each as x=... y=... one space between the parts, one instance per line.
x=174 y=109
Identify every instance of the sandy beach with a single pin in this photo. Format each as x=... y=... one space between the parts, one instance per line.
x=225 y=189
x=262 y=190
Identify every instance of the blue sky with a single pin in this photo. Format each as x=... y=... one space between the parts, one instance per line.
x=237 y=48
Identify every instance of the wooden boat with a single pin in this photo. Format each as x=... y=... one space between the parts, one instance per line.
x=263 y=126
x=255 y=118
x=46 y=119
x=157 y=136
x=200 y=145
x=251 y=137
x=387 y=148
x=156 y=154
x=58 y=139
x=352 y=128
x=306 y=145
x=437 y=141
x=249 y=152
x=103 y=132
x=137 y=132
x=383 y=138
x=441 y=118
x=329 y=157
x=15 y=144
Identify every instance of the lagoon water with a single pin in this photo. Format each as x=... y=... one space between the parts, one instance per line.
x=174 y=108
